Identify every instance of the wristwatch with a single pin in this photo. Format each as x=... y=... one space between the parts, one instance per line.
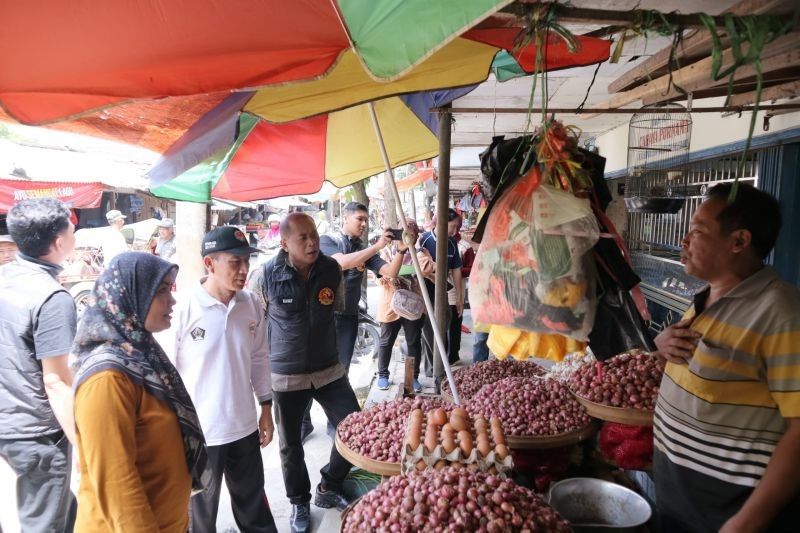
x=266 y=402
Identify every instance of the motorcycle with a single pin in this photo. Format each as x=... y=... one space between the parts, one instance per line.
x=368 y=336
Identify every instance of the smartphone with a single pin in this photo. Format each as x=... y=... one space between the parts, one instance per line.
x=397 y=234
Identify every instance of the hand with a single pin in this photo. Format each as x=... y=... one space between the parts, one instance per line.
x=676 y=343
x=738 y=524
x=401 y=245
x=384 y=240
x=265 y=426
x=460 y=308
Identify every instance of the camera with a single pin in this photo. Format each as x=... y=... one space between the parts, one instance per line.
x=397 y=234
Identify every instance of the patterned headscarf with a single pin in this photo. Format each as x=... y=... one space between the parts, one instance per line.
x=112 y=336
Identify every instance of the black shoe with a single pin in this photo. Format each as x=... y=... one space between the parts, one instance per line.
x=301 y=518
x=327 y=499
x=305 y=431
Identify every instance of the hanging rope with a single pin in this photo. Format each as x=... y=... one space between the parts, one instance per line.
x=756 y=32
x=579 y=109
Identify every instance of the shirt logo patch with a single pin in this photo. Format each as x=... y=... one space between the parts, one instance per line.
x=287 y=300
x=198 y=334
x=326 y=296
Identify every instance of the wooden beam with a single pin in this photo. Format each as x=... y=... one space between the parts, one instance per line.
x=698 y=75
x=776 y=92
x=611 y=111
x=699 y=43
x=567 y=14
x=744 y=85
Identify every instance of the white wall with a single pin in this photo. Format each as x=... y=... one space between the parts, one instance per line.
x=708 y=130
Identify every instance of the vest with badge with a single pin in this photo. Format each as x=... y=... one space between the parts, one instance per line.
x=300 y=321
x=25 y=409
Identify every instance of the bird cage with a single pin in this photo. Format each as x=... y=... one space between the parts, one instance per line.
x=658 y=156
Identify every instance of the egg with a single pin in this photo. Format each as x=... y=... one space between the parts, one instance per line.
x=439 y=416
x=456 y=466
x=448 y=445
x=448 y=433
x=460 y=411
x=430 y=440
x=458 y=422
x=416 y=414
x=421 y=465
x=413 y=437
x=502 y=451
x=465 y=442
x=484 y=447
x=480 y=422
x=498 y=437
x=440 y=464
x=496 y=422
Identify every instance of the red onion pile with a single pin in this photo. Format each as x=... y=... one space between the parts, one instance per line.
x=452 y=500
x=629 y=380
x=469 y=380
x=531 y=407
x=378 y=432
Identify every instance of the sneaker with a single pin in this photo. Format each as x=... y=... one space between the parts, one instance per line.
x=328 y=499
x=383 y=383
x=416 y=385
x=301 y=518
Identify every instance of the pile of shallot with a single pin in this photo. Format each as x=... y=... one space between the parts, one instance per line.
x=532 y=407
x=629 y=380
x=452 y=500
x=377 y=432
x=469 y=380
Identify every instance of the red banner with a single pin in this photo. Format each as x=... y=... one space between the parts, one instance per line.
x=75 y=195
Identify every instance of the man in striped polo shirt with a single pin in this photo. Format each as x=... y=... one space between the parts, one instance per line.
x=727 y=426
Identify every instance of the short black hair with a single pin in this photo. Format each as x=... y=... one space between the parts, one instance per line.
x=752 y=209
x=354 y=207
x=35 y=224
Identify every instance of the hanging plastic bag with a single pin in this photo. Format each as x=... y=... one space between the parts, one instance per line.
x=533 y=270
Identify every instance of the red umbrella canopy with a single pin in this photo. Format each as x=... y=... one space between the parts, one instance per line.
x=62 y=59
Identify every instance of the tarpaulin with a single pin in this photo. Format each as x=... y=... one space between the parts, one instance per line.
x=75 y=195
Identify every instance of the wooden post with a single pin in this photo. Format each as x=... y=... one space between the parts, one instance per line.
x=442 y=206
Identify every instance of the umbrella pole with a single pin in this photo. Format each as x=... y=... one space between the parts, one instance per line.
x=417 y=269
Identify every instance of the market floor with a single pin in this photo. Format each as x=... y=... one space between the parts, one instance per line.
x=317 y=450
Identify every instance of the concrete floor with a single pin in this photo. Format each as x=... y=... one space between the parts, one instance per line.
x=317 y=450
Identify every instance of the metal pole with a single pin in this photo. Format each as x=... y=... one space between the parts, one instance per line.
x=442 y=205
x=413 y=204
x=438 y=338
x=613 y=111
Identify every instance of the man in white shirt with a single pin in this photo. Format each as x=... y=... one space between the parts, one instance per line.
x=114 y=242
x=221 y=354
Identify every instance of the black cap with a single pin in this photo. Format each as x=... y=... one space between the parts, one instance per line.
x=228 y=239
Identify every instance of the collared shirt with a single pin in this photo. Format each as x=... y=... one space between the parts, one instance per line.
x=166 y=248
x=295 y=382
x=723 y=413
x=339 y=243
x=221 y=354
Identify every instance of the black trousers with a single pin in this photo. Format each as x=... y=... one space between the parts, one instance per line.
x=337 y=400
x=389 y=331
x=346 y=332
x=240 y=463
x=429 y=342
x=454 y=335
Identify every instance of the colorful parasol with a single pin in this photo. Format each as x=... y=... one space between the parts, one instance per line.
x=269 y=160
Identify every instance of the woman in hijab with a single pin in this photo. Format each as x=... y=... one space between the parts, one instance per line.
x=142 y=451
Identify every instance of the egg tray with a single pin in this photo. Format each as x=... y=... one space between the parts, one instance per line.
x=411 y=459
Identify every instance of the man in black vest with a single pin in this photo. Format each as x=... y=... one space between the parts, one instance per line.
x=37 y=326
x=300 y=289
